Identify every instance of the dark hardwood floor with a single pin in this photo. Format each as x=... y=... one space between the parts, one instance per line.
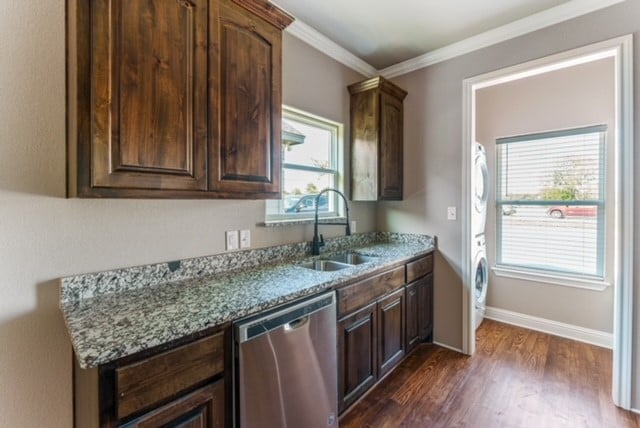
x=517 y=378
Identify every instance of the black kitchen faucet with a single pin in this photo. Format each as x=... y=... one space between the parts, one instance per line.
x=318 y=241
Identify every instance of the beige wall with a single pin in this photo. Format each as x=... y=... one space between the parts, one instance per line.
x=570 y=98
x=433 y=157
x=44 y=236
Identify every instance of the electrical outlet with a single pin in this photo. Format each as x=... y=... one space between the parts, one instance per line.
x=232 y=240
x=353 y=226
x=245 y=238
x=451 y=213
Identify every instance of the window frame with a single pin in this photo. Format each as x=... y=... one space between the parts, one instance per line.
x=598 y=281
x=274 y=211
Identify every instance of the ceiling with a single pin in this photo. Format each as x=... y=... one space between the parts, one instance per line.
x=384 y=33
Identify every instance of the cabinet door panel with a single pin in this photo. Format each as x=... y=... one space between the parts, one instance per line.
x=245 y=155
x=391 y=162
x=203 y=408
x=413 y=337
x=364 y=146
x=149 y=85
x=391 y=327
x=425 y=307
x=357 y=359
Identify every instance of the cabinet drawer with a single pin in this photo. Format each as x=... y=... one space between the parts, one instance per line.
x=148 y=382
x=362 y=293
x=419 y=268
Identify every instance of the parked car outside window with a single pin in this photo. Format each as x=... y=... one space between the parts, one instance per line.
x=307 y=204
x=562 y=211
x=508 y=210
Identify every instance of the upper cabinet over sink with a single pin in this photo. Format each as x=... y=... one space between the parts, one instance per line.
x=175 y=98
x=376 y=140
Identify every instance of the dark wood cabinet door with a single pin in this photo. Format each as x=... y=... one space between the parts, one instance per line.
x=376 y=140
x=245 y=103
x=413 y=336
x=425 y=307
x=364 y=145
x=203 y=408
x=148 y=96
x=391 y=328
x=391 y=162
x=357 y=368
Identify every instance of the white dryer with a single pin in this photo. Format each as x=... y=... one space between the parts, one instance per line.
x=481 y=279
x=480 y=190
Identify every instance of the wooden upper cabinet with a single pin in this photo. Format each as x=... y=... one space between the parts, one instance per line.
x=376 y=140
x=246 y=98
x=174 y=98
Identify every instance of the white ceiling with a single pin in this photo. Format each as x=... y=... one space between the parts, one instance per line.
x=384 y=33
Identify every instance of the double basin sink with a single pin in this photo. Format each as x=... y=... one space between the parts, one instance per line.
x=337 y=262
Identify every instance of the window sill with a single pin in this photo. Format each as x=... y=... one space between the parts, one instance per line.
x=301 y=221
x=550 y=278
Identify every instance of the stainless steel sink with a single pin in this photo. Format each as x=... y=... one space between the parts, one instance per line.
x=325 y=265
x=352 y=258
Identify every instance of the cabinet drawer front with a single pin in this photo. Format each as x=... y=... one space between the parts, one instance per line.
x=155 y=379
x=419 y=268
x=362 y=293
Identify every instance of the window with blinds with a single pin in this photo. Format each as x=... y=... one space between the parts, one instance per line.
x=550 y=201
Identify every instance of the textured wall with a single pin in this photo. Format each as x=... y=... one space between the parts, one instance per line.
x=569 y=98
x=44 y=236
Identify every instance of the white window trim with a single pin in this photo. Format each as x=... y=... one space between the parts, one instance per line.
x=337 y=130
x=549 y=277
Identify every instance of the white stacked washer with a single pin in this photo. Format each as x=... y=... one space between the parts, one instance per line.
x=480 y=184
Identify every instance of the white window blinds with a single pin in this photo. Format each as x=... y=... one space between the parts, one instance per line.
x=550 y=202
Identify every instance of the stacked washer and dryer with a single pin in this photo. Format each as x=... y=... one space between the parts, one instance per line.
x=480 y=185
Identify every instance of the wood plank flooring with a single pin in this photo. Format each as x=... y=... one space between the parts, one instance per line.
x=517 y=378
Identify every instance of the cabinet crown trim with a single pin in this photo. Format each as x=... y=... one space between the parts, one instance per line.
x=378 y=83
x=267 y=11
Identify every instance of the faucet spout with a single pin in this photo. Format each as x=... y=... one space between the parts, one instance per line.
x=317 y=240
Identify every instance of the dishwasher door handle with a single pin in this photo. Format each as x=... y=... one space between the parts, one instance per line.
x=295 y=324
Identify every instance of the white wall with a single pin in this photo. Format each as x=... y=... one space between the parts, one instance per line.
x=433 y=157
x=44 y=236
x=569 y=98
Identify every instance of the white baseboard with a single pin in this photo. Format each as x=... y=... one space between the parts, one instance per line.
x=451 y=348
x=635 y=410
x=569 y=331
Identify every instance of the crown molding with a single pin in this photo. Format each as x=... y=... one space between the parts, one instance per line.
x=537 y=21
x=546 y=18
x=322 y=43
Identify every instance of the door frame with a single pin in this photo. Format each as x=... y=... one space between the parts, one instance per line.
x=621 y=49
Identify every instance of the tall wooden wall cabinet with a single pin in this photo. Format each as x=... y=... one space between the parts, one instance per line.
x=174 y=98
x=376 y=140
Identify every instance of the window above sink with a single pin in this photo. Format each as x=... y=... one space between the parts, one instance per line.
x=312 y=149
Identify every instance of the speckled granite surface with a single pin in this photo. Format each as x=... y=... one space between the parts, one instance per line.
x=110 y=315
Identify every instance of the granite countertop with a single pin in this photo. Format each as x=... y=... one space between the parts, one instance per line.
x=110 y=315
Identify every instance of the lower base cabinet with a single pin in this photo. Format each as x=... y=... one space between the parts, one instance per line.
x=203 y=408
x=182 y=387
x=381 y=321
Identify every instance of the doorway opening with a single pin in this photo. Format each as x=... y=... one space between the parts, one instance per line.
x=620 y=250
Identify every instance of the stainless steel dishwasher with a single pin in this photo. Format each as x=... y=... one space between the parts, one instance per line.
x=285 y=367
